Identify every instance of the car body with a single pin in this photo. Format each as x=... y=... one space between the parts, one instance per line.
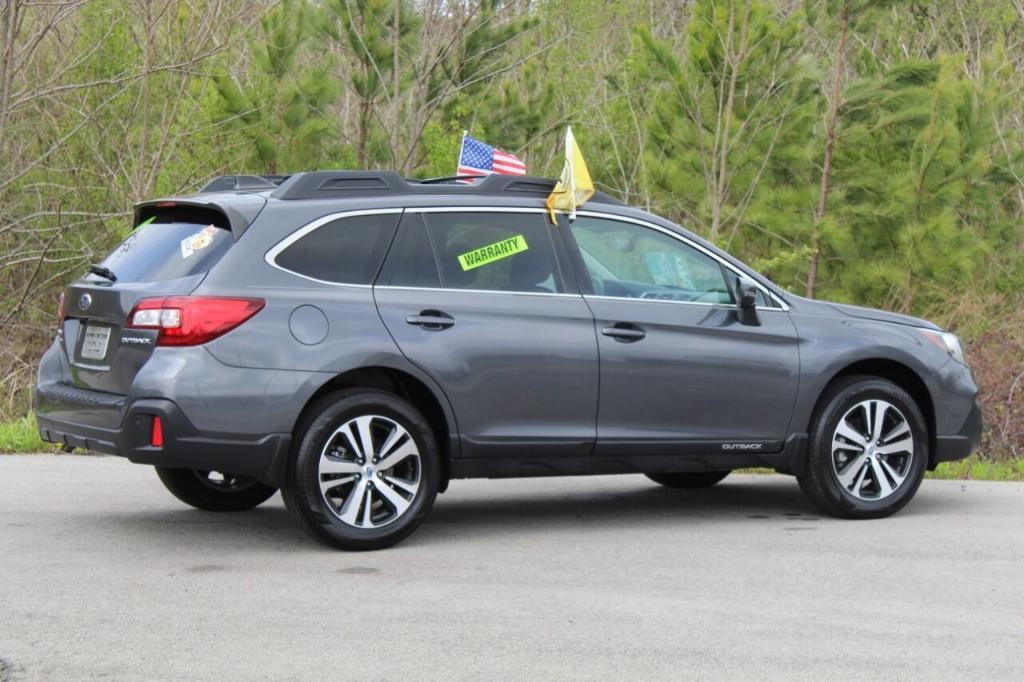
x=531 y=348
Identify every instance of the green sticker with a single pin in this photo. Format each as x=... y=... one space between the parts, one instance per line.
x=144 y=223
x=493 y=252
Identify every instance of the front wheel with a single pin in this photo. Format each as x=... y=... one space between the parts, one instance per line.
x=213 y=490
x=689 y=479
x=366 y=470
x=868 y=450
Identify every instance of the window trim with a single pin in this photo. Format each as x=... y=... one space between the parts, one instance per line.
x=782 y=305
x=270 y=257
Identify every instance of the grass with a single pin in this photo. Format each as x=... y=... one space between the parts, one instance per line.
x=980 y=468
x=21 y=436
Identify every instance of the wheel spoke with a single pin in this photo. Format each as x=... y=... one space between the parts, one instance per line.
x=849 y=433
x=905 y=445
x=899 y=430
x=353 y=441
x=897 y=479
x=406 y=449
x=397 y=432
x=408 y=486
x=879 y=419
x=349 y=511
x=398 y=502
x=329 y=465
x=849 y=473
x=884 y=487
x=334 y=483
x=366 y=436
x=859 y=483
x=368 y=507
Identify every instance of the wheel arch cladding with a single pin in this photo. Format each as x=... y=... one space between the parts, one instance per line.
x=896 y=372
x=402 y=384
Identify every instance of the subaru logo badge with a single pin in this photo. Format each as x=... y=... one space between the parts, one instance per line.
x=84 y=302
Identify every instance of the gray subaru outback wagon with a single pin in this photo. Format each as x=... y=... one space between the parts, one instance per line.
x=357 y=340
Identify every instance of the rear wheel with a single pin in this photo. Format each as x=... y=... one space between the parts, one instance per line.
x=213 y=490
x=366 y=470
x=868 y=450
x=689 y=479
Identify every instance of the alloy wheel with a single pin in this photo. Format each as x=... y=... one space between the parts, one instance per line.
x=369 y=471
x=872 y=450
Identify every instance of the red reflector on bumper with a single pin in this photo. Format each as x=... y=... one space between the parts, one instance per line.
x=156 y=439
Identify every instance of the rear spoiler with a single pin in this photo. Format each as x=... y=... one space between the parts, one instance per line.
x=239 y=212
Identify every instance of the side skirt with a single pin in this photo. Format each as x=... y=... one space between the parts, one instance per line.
x=789 y=460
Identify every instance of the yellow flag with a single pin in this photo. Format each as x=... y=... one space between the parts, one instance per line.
x=575 y=185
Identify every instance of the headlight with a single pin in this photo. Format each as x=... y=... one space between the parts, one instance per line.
x=946 y=342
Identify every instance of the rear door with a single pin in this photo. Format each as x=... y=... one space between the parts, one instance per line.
x=481 y=300
x=679 y=372
x=168 y=254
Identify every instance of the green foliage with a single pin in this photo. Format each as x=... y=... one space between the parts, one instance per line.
x=21 y=435
x=282 y=107
x=714 y=113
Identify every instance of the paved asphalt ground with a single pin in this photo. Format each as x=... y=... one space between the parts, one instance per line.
x=104 y=575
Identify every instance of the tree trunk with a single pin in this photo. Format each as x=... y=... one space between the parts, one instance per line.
x=826 y=165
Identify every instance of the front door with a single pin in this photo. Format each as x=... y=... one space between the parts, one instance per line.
x=480 y=300
x=679 y=372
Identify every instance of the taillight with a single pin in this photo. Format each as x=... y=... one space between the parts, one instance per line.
x=60 y=311
x=192 y=320
x=156 y=436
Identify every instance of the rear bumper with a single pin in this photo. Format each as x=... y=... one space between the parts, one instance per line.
x=129 y=432
x=952 y=448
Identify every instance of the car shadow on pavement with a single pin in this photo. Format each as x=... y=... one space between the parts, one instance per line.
x=645 y=503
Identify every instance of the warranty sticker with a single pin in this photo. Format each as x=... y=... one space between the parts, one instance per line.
x=493 y=252
x=198 y=241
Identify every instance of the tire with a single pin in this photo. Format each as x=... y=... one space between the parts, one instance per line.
x=853 y=477
x=212 y=491
x=689 y=480
x=340 y=493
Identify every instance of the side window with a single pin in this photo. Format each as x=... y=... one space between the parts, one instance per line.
x=494 y=251
x=632 y=261
x=411 y=261
x=346 y=251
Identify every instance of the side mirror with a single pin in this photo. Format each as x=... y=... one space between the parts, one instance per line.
x=746 y=301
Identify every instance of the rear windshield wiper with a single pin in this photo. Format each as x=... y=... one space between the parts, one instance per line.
x=104 y=272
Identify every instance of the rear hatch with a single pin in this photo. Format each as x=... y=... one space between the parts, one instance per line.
x=168 y=253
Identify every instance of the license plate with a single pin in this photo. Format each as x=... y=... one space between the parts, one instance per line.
x=94 y=346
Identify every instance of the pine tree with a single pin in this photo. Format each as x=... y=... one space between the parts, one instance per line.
x=282 y=109
x=725 y=101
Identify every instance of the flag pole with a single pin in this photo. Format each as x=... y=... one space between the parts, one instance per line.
x=462 y=148
x=572 y=174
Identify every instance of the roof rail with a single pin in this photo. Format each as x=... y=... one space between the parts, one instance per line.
x=351 y=184
x=243 y=183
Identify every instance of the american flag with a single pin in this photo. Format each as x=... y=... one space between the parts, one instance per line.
x=478 y=158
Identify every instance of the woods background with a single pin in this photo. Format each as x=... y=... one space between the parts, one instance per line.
x=863 y=151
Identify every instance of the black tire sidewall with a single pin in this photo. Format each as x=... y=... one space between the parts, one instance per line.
x=825 y=481
x=186 y=485
x=305 y=500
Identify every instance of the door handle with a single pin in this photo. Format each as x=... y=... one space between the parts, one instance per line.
x=624 y=332
x=431 y=320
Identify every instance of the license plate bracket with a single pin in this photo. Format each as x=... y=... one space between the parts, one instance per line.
x=95 y=342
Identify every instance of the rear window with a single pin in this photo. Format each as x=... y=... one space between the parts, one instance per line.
x=345 y=251
x=171 y=245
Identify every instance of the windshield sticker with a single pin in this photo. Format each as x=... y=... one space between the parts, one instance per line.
x=145 y=222
x=493 y=252
x=199 y=240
